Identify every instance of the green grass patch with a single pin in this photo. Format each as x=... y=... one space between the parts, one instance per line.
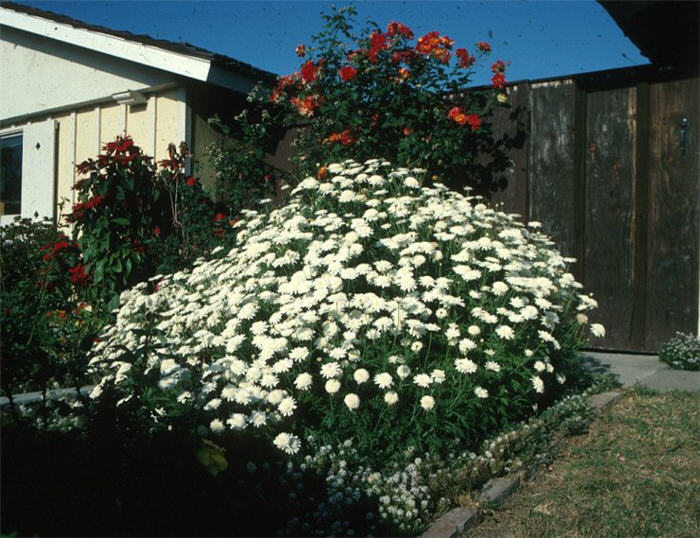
x=636 y=473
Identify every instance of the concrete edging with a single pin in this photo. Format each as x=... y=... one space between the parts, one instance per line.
x=495 y=491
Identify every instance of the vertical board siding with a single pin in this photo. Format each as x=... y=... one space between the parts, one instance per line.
x=111 y=123
x=138 y=127
x=85 y=135
x=609 y=201
x=672 y=262
x=167 y=116
x=64 y=164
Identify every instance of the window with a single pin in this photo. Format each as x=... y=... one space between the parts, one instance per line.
x=11 y=174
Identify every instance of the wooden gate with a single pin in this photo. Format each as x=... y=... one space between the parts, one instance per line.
x=610 y=168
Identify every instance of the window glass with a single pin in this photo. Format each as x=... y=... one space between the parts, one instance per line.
x=10 y=174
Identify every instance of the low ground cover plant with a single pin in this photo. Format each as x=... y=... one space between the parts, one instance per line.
x=375 y=311
x=681 y=352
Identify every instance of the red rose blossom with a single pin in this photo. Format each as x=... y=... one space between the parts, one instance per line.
x=347 y=73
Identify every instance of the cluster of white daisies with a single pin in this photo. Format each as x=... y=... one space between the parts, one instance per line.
x=367 y=285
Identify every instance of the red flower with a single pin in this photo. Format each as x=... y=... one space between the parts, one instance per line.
x=498 y=67
x=301 y=50
x=407 y=131
x=305 y=106
x=378 y=41
x=347 y=73
x=345 y=138
x=219 y=216
x=397 y=28
x=322 y=172
x=78 y=275
x=156 y=231
x=191 y=181
x=483 y=46
x=465 y=59
x=453 y=112
x=474 y=121
x=498 y=80
x=404 y=73
x=309 y=71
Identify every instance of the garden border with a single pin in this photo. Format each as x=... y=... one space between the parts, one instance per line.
x=495 y=491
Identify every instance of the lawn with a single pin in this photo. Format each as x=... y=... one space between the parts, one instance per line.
x=636 y=473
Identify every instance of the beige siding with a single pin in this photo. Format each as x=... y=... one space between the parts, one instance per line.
x=204 y=135
x=82 y=133
x=167 y=121
x=138 y=125
x=86 y=135
x=112 y=122
x=65 y=165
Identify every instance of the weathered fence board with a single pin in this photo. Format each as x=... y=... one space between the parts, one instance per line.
x=609 y=201
x=551 y=170
x=672 y=260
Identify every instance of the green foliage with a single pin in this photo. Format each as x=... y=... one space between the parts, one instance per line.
x=134 y=219
x=681 y=352
x=47 y=328
x=243 y=174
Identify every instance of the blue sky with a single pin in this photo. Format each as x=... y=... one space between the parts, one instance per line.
x=540 y=39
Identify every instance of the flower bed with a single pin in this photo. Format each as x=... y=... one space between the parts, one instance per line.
x=368 y=307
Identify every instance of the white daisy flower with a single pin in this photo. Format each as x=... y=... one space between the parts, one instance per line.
x=383 y=380
x=427 y=402
x=481 y=392
x=352 y=401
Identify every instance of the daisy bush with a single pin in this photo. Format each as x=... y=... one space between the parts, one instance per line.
x=370 y=308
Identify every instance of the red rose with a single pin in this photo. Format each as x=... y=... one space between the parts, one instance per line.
x=156 y=231
x=465 y=59
x=347 y=73
x=219 y=216
x=483 y=46
x=474 y=121
x=301 y=51
x=309 y=71
x=498 y=80
x=191 y=181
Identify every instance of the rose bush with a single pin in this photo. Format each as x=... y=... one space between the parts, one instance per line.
x=357 y=91
x=369 y=308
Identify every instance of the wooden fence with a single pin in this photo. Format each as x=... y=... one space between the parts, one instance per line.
x=609 y=165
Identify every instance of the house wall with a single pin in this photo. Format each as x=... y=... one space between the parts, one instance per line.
x=40 y=74
x=81 y=133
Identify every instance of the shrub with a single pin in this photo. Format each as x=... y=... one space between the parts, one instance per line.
x=681 y=352
x=47 y=327
x=367 y=308
x=134 y=219
x=388 y=89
